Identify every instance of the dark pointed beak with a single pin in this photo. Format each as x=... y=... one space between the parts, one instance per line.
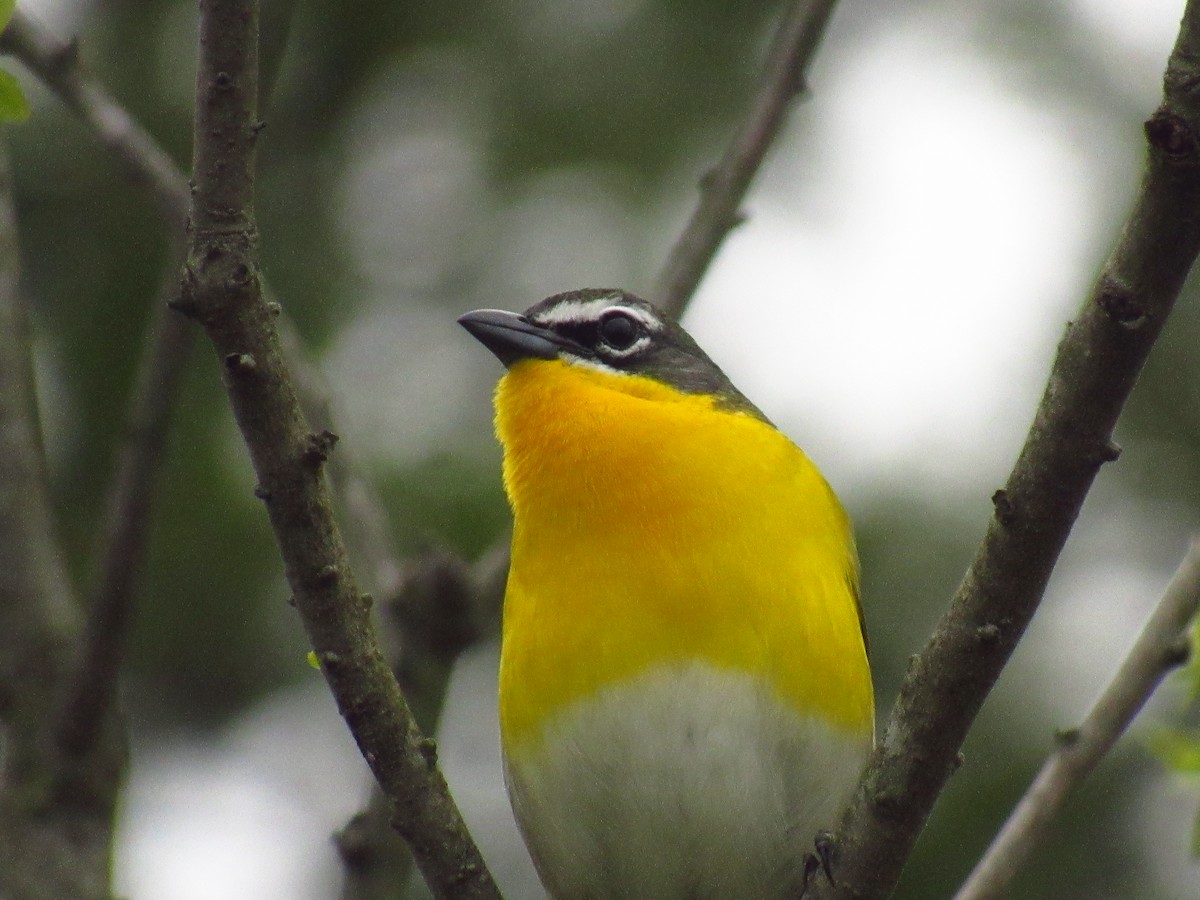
x=512 y=337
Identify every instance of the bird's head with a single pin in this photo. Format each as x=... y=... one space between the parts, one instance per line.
x=611 y=331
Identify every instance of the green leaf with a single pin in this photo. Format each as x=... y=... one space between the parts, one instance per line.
x=13 y=105
x=1178 y=749
x=312 y=659
x=7 y=7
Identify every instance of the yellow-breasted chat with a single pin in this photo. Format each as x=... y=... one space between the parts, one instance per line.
x=685 y=699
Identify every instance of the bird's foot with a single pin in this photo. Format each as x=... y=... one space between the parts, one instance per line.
x=818 y=859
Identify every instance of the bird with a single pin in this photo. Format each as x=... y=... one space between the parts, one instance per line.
x=685 y=698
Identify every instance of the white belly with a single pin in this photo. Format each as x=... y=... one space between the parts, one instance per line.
x=689 y=782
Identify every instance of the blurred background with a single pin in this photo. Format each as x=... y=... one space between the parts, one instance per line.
x=915 y=244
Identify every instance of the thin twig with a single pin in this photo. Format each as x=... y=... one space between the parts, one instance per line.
x=221 y=289
x=1160 y=647
x=56 y=63
x=167 y=349
x=367 y=850
x=1097 y=363
x=125 y=535
x=724 y=187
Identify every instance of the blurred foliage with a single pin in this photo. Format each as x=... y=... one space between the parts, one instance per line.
x=458 y=501
x=14 y=107
x=1179 y=749
x=1178 y=746
x=637 y=93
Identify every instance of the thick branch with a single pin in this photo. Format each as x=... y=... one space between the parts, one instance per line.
x=1160 y=647
x=1098 y=361
x=56 y=62
x=435 y=607
x=221 y=289
x=724 y=187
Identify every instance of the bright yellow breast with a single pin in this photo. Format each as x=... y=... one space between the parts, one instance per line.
x=652 y=527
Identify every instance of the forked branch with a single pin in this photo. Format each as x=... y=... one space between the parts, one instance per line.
x=1097 y=363
x=222 y=290
x=1160 y=647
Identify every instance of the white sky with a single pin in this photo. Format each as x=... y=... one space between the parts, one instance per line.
x=913 y=360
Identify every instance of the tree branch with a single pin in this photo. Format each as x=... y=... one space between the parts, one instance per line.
x=435 y=607
x=441 y=608
x=367 y=852
x=91 y=693
x=1097 y=363
x=56 y=63
x=168 y=346
x=724 y=187
x=1160 y=647
x=221 y=289
x=55 y=808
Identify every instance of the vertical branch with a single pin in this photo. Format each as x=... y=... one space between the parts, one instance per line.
x=221 y=289
x=1097 y=363
x=91 y=691
x=424 y=668
x=724 y=187
x=55 y=808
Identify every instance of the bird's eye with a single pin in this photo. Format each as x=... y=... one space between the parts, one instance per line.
x=619 y=330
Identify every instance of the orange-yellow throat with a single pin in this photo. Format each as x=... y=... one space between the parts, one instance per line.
x=654 y=527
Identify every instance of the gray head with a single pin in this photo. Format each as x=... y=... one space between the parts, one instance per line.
x=609 y=330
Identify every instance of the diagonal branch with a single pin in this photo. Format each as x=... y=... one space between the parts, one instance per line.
x=221 y=289
x=440 y=609
x=425 y=667
x=434 y=608
x=724 y=187
x=1160 y=647
x=368 y=854
x=56 y=63
x=1097 y=363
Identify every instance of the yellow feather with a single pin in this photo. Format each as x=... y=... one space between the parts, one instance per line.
x=653 y=526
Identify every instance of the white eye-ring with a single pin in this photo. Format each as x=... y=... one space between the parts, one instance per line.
x=619 y=330
x=622 y=332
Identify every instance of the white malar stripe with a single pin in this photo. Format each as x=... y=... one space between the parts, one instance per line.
x=687 y=783
x=598 y=365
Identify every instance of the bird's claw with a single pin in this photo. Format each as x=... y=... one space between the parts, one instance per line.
x=819 y=858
